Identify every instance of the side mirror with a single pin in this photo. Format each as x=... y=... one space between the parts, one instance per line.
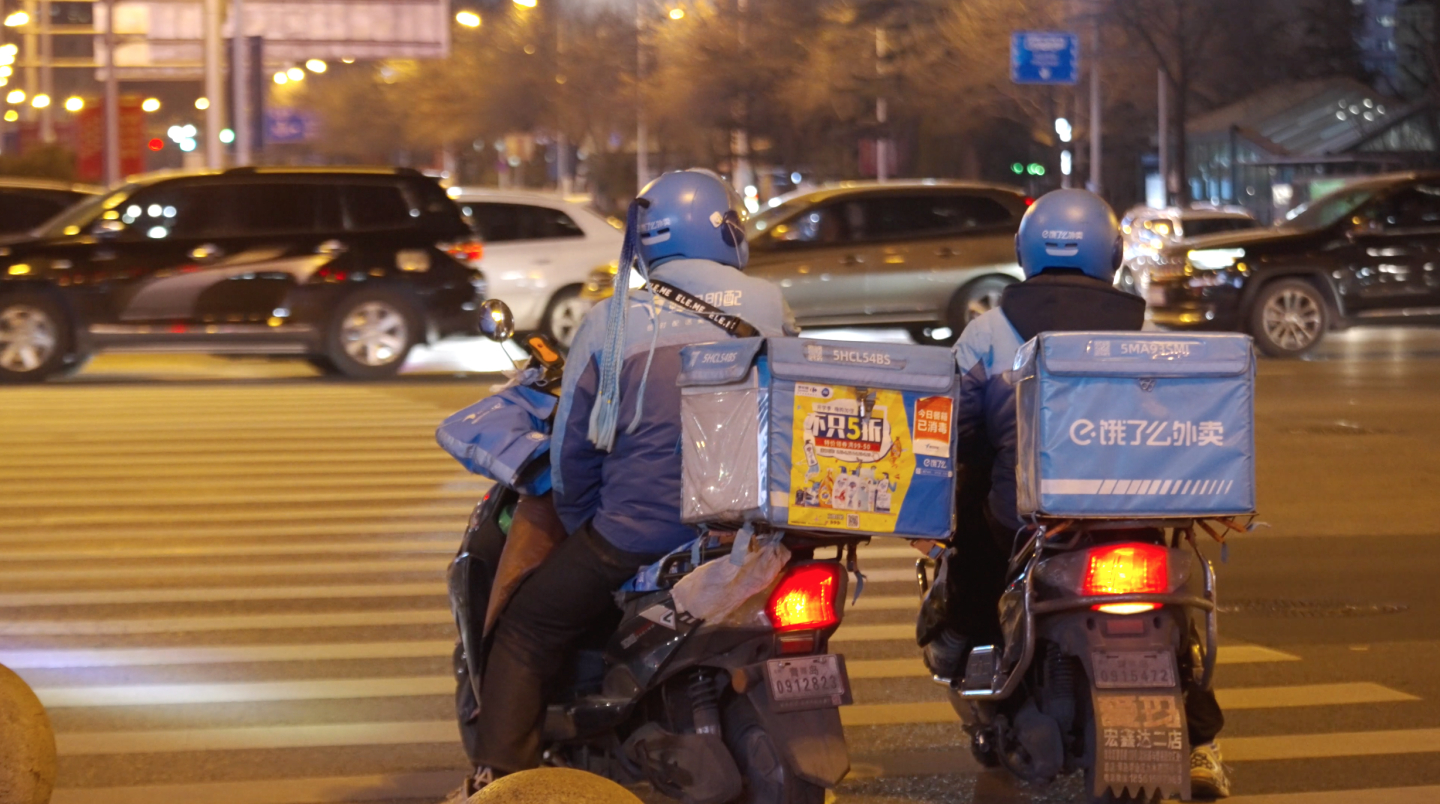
x=496 y=321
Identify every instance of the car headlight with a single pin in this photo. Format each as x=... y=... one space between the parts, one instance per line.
x=1214 y=259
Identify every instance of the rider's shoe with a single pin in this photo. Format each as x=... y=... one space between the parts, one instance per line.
x=473 y=784
x=944 y=653
x=1207 y=773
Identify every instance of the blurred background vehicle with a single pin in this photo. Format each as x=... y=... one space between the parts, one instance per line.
x=348 y=267
x=928 y=256
x=1147 y=230
x=1360 y=255
x=539 y=249
x=27 y=203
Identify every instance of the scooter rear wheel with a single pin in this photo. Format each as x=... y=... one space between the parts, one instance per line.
x=767 y=778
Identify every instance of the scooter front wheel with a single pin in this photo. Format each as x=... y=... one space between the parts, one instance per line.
x=767 y=778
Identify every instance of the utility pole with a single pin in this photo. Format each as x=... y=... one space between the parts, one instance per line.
x=1163 y=91
x=47 y=72
x=743 y=176
x=1096 y=185
x=32 y=52
x=642 y=144
x=214 y=87
x=882 y=166
x=239 y=80
x=112 y=101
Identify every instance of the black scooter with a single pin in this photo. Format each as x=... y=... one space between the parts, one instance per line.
x=1106 y=624
x=741 y=711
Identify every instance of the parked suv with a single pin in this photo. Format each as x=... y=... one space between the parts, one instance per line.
x=929 y=255
x=1364 y=254
x=349 y=268
x=27 y=203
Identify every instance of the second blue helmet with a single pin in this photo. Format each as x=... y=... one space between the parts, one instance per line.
x=691 y=214
x=1073 y=229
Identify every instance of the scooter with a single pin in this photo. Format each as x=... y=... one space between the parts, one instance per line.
x=744 y=710
x=1105 y=625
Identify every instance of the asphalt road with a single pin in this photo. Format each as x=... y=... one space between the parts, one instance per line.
x=225 y=580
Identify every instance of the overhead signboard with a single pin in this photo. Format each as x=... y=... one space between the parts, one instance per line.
x=160 y=39
x=285 y=125
x=1044 y=57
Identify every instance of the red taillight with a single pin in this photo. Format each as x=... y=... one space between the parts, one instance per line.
x=466 y=250
x=1029 y=200
x=1127 y=569
x=805 y=598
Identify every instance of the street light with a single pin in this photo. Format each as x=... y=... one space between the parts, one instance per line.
x=202 y=103
x=11 y=116
x=16 y=19
x=40 y=101
x=316 y=66
x=15 y=96
x=527 y=3
x=282 y=78
x=150 y=104
x=677 y=13
x=468 y=18
x=295 y=74
x=74 y=103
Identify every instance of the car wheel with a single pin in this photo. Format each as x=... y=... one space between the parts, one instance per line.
x=1289 y=318
x=370 y=334
x=564 y=314
x=34 y=337
x=974 y=300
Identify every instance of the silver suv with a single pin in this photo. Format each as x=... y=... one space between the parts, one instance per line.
x=926 y=255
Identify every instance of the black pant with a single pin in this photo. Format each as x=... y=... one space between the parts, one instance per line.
x=545 y=618
x=977 y=574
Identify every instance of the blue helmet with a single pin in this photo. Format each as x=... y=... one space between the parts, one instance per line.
x=1070 y=229
x=691 y=214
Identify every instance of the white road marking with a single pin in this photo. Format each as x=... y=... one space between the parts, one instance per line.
x=203 y=549
x=62 y=658
x=201 y=594
x=216 y=498
x=223 y=570
x=1379 y=795
x=101 y=521
x=397 y=522
x=323 y=790
x=229 y=622
x=153 y=741
x=1335 y=744
x=246 y=692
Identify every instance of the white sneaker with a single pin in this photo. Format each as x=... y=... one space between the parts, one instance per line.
x=1207 y=772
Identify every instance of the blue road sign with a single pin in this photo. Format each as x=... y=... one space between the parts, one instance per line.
x=1044 y=57
x=289 y=125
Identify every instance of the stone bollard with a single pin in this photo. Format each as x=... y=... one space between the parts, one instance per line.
x=553 y=786
x=27 y=744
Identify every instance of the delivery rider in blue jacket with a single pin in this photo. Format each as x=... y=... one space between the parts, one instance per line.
x=614 y=450
x=1069 y=247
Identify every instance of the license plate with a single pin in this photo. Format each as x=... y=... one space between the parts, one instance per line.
x=1155 y=297
x=808 y=682
x=1133 y=669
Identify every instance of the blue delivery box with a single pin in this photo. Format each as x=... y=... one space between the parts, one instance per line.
x=1136 y=425
x=806 y=434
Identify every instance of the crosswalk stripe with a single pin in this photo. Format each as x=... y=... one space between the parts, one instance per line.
x=393 y=522
x=252 y=692
x=228 y=654
x=223 y=570
x=255 y=487
x=229 y=622
x=322 y=790
x=201 y=518
x=448 y=544
x=209 y=499
x=328 y=735
x=914 y=668
x=1379 y=795
x=294 y=462
x=1299 y=695
x=1336 y=744
x=210 y=594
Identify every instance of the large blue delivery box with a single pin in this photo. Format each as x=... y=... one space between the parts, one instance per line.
x=819 y=435
x=1136 y=425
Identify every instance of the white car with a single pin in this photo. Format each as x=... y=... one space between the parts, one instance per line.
x=539 y=249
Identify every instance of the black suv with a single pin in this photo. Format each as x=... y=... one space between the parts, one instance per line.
x=349 y=268
x=1365 y=254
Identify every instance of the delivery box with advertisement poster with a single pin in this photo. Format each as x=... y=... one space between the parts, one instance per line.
x=1136 y=425
x=820 y=435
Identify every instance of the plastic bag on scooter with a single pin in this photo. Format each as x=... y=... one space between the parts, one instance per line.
x=505 y=437
x=716 y=589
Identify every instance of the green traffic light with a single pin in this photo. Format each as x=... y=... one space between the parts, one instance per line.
x=1017 y=168
x=1036 y=169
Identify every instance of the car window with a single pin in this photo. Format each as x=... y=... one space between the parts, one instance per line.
x=502 y=223
x=376 y=206
x=1412 y=208
x=927 y=215
x=1326 y=210
x=1198 y=227
x=20 y=212
x=823 y=225
x=178 y=210
x=277 y=208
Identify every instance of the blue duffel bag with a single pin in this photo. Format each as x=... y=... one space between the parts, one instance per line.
x=505 y=437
